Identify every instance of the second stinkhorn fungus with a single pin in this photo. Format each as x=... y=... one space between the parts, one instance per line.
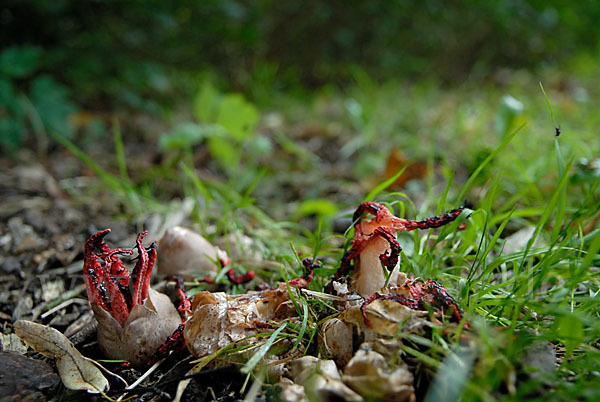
x=133 y=319
x=375 y=245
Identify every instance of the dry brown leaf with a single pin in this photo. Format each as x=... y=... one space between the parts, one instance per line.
x=396 y=161
x=76 y=371
x=219 y=319
x=12 y=343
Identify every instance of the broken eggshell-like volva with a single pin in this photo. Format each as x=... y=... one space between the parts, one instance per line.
x=369 y=374
x=147 y=327
x=338 y=335
x=133 y=320
x=335 y=340
x=320 y=381
x=183 y=252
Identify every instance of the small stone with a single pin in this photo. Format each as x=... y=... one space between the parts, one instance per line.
x=22 y=378
x=540 y=356
x=10 y=264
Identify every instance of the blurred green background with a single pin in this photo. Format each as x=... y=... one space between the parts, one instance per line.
x=239 y=80
x=119 y=53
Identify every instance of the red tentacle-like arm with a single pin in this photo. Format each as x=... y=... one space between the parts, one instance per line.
x=93 y=273
x=424 y=295
x=309 y=266
x=117 y=269
x=369 y=207
x=410 y=303
x=383 y=217
x=185 y=305
x=434 y=221
x=140 y=272
x=388 y=260
x=108 y=283
x=365 y=229
x=119 y=300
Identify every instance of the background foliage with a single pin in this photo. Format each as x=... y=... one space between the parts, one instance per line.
x=144 y=55
x=276 y=118
x=98 y=44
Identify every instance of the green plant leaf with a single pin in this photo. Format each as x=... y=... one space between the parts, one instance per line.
x=205 y=103
x=8 y=96
x=509 y=109
x=569 y=329
x=383 y=185
x=19 y=61
x=13 y=132
x=224 y=151
x=185 y=135
x=237 y=115
x=319 y=207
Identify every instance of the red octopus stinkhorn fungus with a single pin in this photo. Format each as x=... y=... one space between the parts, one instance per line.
x=374 y=244
x=133 y=319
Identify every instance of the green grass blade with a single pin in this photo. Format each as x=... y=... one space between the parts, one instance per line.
x=119 y=150
x=304 y=322
x=96 y=168
x=440 y=205
x=591 y=254
x=487 y=160
x=545 y=216
x=562 y=199
x=260 y=354
x=493 y=241
x=383 y=185
x=547 y=102
x=451 y=378
x=196 y=181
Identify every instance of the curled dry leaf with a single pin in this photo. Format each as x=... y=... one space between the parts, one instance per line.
x=12 y=343
x=76 y=371
x=321 y=380
x=183 y=251
x=290 y=391
x=147 y=327
x=338 y=335
x=219 y=319
x=369 y=374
